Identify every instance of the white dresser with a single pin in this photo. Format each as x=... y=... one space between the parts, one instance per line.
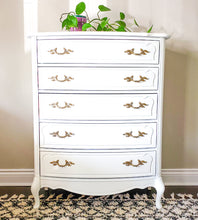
x=98 y=112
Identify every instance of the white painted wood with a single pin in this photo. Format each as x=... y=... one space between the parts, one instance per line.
x=159 y=186
x=127 y=79
x=99 y=95
x=180 y=177
x=160 y=108
x=105 y=65
x=98 y=187
x=16 y=177
x=97 y=107
x=35 y=191
x=35 y=187
x=97 y=136
x=98 y=51
x=171 y=177
x=97 y=165
x=122 y=150
x=47 y=91
x=101 y=35
x=35 y=108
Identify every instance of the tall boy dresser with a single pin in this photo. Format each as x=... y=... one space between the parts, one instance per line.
x=98 y=112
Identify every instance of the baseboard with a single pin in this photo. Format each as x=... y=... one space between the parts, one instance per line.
x=171 y=177
x=180 y=177
x=16 y=177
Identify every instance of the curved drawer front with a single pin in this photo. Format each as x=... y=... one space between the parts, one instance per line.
x=98 y=165
x=97 y=106
x=97 y=136
x=57 y=78
x=98 y=51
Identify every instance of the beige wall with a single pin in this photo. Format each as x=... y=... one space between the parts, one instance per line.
x=179 y=18
x=16 y=141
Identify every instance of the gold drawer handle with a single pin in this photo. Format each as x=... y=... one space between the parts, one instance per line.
x=67 y=105
x=131 y=79
x=67 y=163
x=56 y=134
x=132 y=51
x=65 y=51
x=130 y=105
x=130 y=134
x=130 y=163
x=55 y=78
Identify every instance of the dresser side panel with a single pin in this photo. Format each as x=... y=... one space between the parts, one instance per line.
x=35 y=107
x=160 y=107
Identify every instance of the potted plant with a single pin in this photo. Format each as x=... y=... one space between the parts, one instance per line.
x=75 y=21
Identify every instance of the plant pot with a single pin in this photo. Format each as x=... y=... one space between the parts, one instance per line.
x=81 y=20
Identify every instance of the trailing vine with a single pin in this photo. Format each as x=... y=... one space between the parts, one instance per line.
x=99 y=23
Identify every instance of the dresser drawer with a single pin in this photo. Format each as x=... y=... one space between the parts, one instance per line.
x=98 y=79
x=100 y=165
x=97 y=106
x=98 y=51
x=97 y=136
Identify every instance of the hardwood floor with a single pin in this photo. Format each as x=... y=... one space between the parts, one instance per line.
x=181 y=189
x=10 y=190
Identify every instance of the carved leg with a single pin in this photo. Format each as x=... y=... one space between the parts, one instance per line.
x=159 y=186
x=35 y=191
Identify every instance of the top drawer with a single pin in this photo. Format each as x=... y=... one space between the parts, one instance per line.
x=98 y=51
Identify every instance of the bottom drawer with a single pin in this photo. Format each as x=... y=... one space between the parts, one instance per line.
x=97 y=165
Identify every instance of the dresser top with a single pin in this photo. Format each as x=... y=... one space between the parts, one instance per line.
x=49 y=35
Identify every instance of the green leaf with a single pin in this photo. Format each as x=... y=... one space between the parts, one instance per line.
x=104 y=19
x=107 y=29
x=121 y=29
x=136 y=23
x=103 y=8
x=121 y=23
x=67 y=24
x=70 y=21
x=150 y=29
x=99 y=28
x=103 y=24
x=64 y=23
x=122 y=16
x=74 y=20
x=86 y=26
x=80 y=8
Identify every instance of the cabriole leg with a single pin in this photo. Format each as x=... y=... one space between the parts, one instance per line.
x=35 y=191
x=159 y=186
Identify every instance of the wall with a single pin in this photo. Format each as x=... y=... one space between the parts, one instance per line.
x=177 y=18
x=16 y=140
